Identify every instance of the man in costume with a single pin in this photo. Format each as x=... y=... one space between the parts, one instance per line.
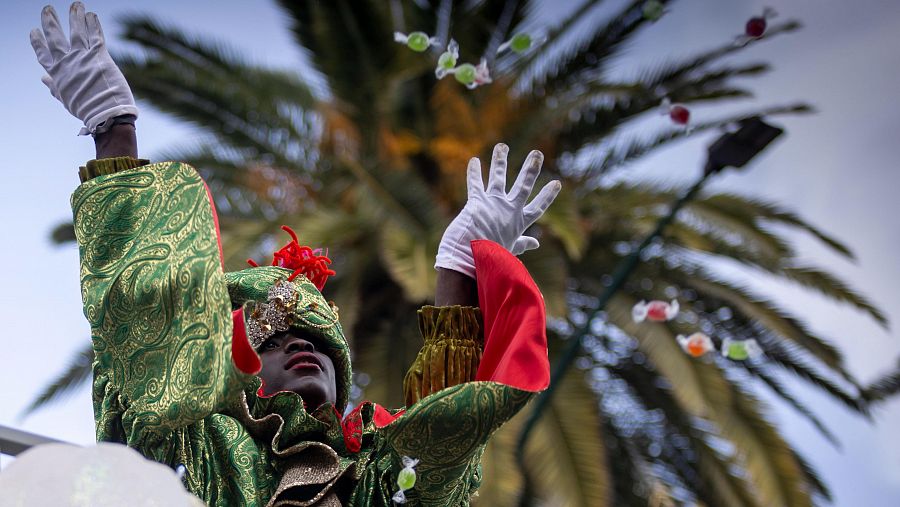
x=240 y=379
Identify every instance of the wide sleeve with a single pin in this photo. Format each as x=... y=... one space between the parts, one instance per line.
x=447 y=430
x=155 y=297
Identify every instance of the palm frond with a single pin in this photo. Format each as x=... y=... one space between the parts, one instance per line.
x=593 y=53
x=828 y=285
x=709 y=470
x=675 y=71
x=573 y=442
x=757 y=209
x=883 y=388
x=339 y=32
x=410 y=260
x=778 y=388
x=268 y=112
x=76 y=373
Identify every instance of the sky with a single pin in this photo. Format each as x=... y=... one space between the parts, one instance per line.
x=836 y=168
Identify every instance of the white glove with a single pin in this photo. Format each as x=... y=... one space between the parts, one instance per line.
x=81 y=74
x=494 y=214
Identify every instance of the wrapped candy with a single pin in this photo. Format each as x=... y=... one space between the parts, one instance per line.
x=447 y=60
x=657 y=311
x=679 y=114
x=520 y=43
x=482 y=73
x=652 y=10
x=417 y=41
x=696 y=344
x=741 y=350
x=465 y=74
x=756 y=27
x=406 y=479
x=472 y=76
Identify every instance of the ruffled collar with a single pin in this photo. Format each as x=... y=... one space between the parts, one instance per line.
x=282 y=420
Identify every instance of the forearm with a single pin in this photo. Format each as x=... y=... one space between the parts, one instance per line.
x=119 y=141
x=455 y=288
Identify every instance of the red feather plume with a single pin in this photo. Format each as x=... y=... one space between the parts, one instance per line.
x=303 y=260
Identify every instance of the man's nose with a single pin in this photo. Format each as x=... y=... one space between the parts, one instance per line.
x=296 y=344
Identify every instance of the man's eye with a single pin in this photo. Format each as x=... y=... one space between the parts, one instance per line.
x=270 y=345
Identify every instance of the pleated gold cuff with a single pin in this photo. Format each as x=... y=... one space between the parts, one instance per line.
x=99 y=167
x=451 y=354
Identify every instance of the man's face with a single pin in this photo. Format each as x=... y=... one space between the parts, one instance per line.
x=296 y=361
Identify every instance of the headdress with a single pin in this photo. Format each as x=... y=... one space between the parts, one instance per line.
x=287 y=294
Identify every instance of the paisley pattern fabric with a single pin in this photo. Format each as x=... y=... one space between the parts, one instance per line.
x=164 y=383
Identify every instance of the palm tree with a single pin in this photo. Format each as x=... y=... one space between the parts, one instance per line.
x=373 y=166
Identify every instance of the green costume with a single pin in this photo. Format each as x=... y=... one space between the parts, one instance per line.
x=174 y=377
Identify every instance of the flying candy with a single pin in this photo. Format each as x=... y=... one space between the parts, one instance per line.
x=520 y=43
x=696 y=344
x=657 y=311
x=472 y=76
x=447 y=60
x=406 y=479
x=482 y=73
x=417 y=41
x=756 y=27
x=465 y=74
x=653 y=10
x=678 y=113
x=740 y=350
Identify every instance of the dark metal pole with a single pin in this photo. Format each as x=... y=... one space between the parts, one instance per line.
x=14 y=442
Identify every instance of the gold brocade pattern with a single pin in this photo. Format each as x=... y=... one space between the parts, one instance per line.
x=104 y=166
x=451 y=354
x=164 y=383
x=447 y=431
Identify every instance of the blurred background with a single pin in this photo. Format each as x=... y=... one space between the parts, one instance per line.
x=309 y=114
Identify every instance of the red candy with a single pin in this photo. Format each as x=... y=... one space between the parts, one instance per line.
x=679 y=114
x=756 y=27
x=657 y=311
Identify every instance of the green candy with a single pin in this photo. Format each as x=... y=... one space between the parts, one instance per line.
x=406 y=479
x=465 y=74
x=520 y=42
x=418 y=41
x=737 y=351
x=447 y=60
x=653 y=10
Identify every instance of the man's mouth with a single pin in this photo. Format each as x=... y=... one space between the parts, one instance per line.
x=302 y=360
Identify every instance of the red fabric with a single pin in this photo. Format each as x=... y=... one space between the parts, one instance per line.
x=242 y=354
x=352 y=425
x=382 y=417
x=515 y=323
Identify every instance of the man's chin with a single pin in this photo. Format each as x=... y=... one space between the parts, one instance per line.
x=309 y=389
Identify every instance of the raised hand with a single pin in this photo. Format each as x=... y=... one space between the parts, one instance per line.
x=494 y=214
x=80 y=72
